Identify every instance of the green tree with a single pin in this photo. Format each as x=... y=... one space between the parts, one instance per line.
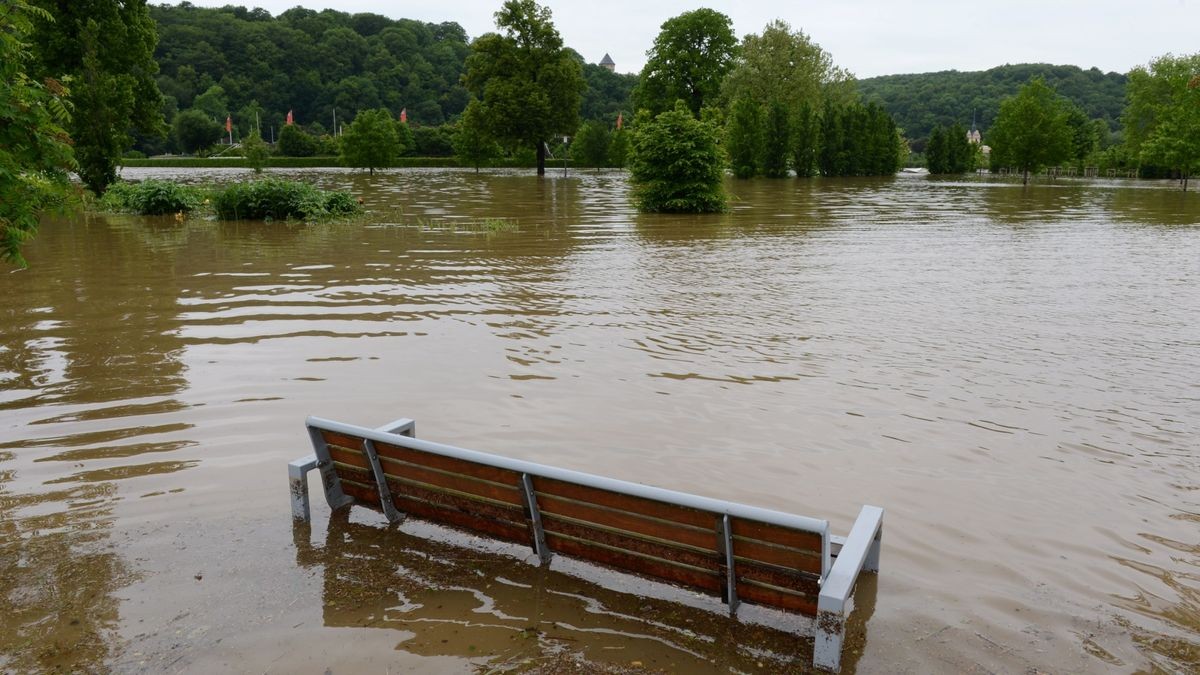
x=744 y=137
x=107 y=47
x=371 y=142
x=1084 y=140
x=406 y=137
x=194 y=130
x=776 y=141
x=255 y=149
x=618 y=148
x=35 y=154
x=786 y=66
x=676 y=164
x=937 y=156
x=1162 y=119
x=295 y=143
x=530 y=85
x=806 y=129
x=214 y=102
x=1031 y=129
x=690 y=58
x=473 y=144
x=591 y=145
x=960 y=152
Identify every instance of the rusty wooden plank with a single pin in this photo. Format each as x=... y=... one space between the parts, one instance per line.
x=622 y=502
x=471 y=521
x=450 y=464
x=790 y=558
x=362 y=492
x=509 y=494
x=774 y=534
x=478 y=517
x=461 y=502
x=685 y=576
x=762 y=595
x=705 y=539
x=798 y=582
x=684 y=556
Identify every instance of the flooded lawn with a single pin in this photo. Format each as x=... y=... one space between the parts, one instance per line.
x=1014 y=374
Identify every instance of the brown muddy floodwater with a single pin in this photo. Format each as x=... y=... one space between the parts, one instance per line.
x=1013 y=373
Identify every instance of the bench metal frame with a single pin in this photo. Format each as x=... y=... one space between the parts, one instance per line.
x=841 y=559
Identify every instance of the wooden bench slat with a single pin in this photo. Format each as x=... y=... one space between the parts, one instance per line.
x=335 y=439
x=703 y=539
x=624 y=560
x=664 y=551
x=479 y=518
x=798 y=582
x=622 y=502
x=458 y=483
x=774 y=534
x=764 y=595
x=349 y=456
x=451 y=464
x=747 y=549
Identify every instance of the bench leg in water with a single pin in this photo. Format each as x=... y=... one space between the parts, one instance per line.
x=298 y=477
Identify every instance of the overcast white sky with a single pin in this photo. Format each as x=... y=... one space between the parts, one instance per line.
x=868 y=37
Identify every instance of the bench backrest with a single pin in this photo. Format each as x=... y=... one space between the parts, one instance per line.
x=733 y=551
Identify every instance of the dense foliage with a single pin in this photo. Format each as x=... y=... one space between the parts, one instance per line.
x=691 y=56
x=473 y=144
x=1162 y=122
x=108 y=48
x=309 y=62
x=949 y=151
x=529 y=84
x=1031 y=130
x=677 y=164
x=744 y=137
x=590 y=147
x=921 y=101
x=277 y=199
x=371 y=142
x=152 y=197
x=35 y=154
x=858 y=140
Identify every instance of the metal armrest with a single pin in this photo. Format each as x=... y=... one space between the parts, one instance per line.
x=859 y=552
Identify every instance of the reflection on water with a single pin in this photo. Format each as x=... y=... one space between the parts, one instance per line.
x=505 y=614
x=1010 y=371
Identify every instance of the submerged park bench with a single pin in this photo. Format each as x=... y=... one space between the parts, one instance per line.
x=733 y=551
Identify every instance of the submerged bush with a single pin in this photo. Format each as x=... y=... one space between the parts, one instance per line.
x=677 y=165
x=152 y=197
x=278 y=199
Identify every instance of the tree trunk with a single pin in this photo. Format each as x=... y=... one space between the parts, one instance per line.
x=541 y=158
x=1025 y=180
x=371 y=170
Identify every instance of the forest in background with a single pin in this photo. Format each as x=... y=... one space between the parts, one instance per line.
x=921 y=101
x=246 y=62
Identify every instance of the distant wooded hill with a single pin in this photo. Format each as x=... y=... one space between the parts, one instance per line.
x=242 y=62
x=918 y=102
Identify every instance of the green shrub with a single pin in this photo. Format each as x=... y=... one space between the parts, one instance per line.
x=134 y=154
x=677 y=164
x=152 y=197
x=277 y=199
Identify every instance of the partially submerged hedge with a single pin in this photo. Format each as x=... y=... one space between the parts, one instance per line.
x=278 y=199
x=152 y=197
x=268 y=199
